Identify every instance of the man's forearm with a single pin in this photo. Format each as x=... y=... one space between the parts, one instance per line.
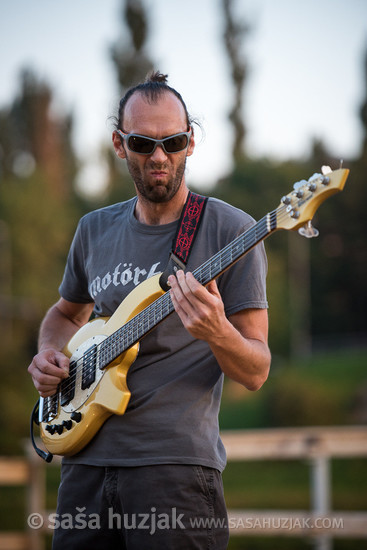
x=56 y=330
x=245 y=360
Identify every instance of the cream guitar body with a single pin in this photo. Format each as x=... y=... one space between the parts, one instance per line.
x=71 y=424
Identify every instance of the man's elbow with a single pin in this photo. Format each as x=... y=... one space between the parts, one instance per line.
x=258 y=380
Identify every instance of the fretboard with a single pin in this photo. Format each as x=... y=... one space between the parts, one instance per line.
x=140 y=325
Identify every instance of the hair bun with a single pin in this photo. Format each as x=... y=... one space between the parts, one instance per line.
x=156 y=76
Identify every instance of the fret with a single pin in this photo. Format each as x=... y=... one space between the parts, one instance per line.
x=252 y=237
x=198 y=274
x=140 y=328
x=216 y=266
x=238 y=248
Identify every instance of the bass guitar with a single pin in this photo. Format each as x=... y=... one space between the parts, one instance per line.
x=102 y=351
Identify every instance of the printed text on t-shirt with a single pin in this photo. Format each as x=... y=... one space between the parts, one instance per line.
x=123 y=274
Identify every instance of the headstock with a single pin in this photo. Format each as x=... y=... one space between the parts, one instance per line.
x=299 y=206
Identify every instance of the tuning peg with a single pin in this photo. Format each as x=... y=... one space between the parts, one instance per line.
x=299 y=184
x=308 y=231
x=326 y=170
x=286 y=200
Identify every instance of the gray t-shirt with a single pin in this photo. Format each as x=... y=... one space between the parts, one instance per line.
x=175 y=382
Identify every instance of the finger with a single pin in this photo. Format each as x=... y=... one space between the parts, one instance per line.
x=45 y=385
x=193 y=285
x=184 y=295
x=182 y=282
x=51 y=370
x=178 y=287
x=212 y=288
x=50 y=363
x=180 y=302
x=62 y=361
x=201 y=293
x=182 y=306
x=191 y=288
x=46 y=391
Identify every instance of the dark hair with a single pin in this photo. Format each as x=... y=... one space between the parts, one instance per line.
x=154 y=86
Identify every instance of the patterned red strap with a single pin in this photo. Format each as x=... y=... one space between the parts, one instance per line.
x=188 y=226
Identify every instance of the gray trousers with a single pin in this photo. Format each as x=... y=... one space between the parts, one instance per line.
x=158 y=507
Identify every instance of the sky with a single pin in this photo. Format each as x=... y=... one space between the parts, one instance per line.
x=305 y=72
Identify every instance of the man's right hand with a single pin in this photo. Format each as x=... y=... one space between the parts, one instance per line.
x=50 y=366
x=48 y=369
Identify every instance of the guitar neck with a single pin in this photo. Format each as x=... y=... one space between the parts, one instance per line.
x=230 y=254
x=140 y=325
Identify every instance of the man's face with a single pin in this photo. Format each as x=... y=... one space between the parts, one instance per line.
x=157 y=176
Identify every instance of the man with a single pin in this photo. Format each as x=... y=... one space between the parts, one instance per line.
x=151 y=473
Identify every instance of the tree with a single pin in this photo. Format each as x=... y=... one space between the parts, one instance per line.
x=130 y=59
x=37 y=219
x=37 y=133
x=131 y=63
x=234 y=33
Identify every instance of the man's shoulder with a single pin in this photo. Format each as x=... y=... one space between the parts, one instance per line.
x=109 y=213
x=227 y=213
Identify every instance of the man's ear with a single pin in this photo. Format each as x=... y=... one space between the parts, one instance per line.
x=191 y=146
x=118 y=145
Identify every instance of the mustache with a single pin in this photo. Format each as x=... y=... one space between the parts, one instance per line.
x=158 y=165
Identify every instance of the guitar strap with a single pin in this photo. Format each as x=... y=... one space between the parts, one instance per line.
x=187 y=229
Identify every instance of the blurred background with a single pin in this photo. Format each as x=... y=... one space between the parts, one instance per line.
x=279 y=89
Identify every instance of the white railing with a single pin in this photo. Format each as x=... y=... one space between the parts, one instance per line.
x=317 y=445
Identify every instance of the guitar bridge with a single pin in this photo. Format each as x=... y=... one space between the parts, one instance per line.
x=48 y=407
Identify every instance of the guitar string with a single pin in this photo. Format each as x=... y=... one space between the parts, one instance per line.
x=147 y=317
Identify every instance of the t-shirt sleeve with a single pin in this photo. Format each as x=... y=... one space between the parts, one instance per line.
x=74 y=285
x=243 y=286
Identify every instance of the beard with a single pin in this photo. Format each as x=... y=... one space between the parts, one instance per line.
x=153 y=190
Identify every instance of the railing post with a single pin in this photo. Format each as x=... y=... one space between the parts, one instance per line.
x=320 y=496
x=36 y=499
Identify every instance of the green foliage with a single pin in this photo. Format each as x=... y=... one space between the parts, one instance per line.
x=328 y=389
x=38 y=215
x=338 y=265
x=286 y=485
x=41 y=229
x=247 y=485
x=257 y=186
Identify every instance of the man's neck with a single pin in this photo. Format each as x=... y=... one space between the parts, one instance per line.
x=160 y=213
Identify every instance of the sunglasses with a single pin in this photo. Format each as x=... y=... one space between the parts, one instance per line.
x=146 y=145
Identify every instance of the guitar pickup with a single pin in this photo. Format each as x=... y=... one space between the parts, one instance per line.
x=67 y=386
x=89 y=367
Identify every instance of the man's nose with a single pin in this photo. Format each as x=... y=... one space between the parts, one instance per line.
x=159 y=155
